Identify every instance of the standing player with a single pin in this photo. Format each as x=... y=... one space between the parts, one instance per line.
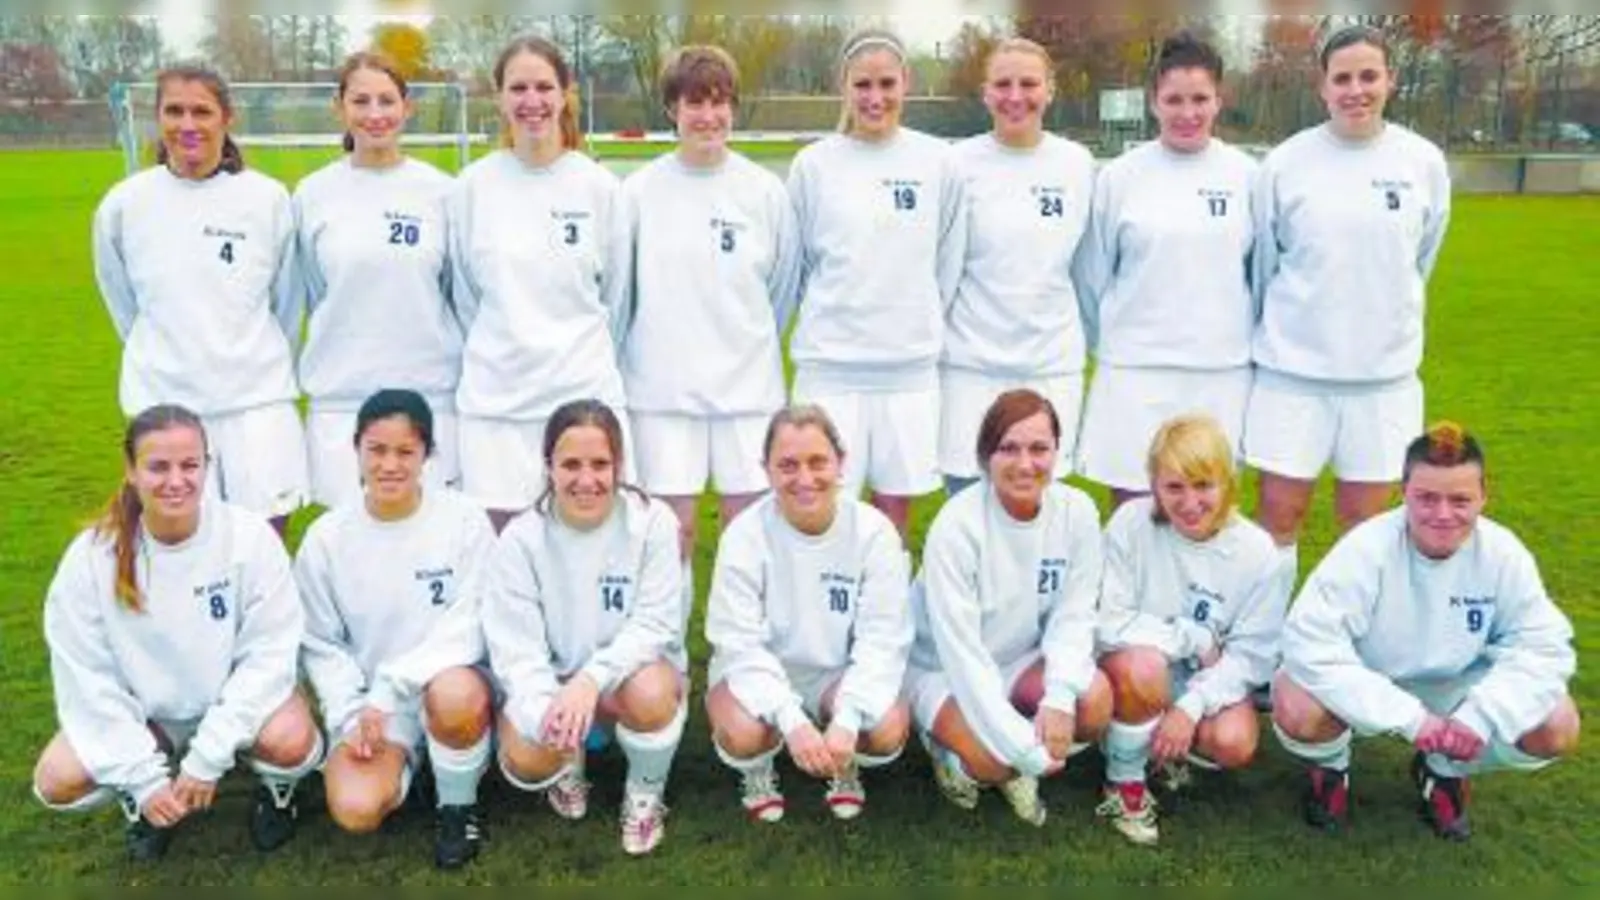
x=173 y=624
x=1164 y=272
x=711 y=258
x=390 y=584
x=809 y=626
x=1350 y=216
x=1431 y=623
x=882 y=231
x=195 y=259
x=1015 y=320
x=372 y=252
x=1191 y=608
x=584 y=618
x=531 y=231
x=1002 y=679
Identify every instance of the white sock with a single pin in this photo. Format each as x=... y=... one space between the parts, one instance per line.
x=96 y=798
x=1127 y=749
x=1334 y=754
x=532 y=787
x=650 y=753
x=456 y=772
x=951 y=760
x=868 y=761
x=758 y=763
x=282 y=781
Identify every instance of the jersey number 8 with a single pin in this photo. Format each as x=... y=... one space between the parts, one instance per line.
x=219 y=607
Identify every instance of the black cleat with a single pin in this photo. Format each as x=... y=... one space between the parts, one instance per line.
x=457 y=836
x=1444 y=801
x=272 y=818
x=145 y=841
x=1327 y=799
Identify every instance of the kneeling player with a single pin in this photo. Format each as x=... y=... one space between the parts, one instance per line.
x=1191 y=608
x=1429 y=622
x=810 y=626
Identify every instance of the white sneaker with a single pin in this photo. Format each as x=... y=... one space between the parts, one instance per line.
x=1175 y=775
x=845 y=795
x=958 y=787
x=1132 y=811
x=643 y=821
x=569 y=796
x=1022 y=793
x=758 y=792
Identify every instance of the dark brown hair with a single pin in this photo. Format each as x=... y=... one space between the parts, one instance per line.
x=699 y=72
x=574 y=414
x=232 y=160
x=1007 y=410
x=1445 y=444
x=1349 y=36
x=571 y=137
x=801 y=415
x=390 y=403
x=1185 y=51
x=377 y=62
x=120 y=520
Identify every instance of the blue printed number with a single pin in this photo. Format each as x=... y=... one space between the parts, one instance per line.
x=1202 y=611
x=226 y=253
x=1049 y=581
x=1050 y=206
x=839 y=600
x=436 y=592
x=219 y=607
x=1392 y=199
x=570 y=233
x=727 y=240
x=404 y=233
x=1218 y=206
x=905 y=198
x=611 y=599
x=1474 y=620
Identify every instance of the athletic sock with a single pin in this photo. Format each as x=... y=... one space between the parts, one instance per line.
x=457 y=771
x=650 y=753
x=1334 y=754
x=1127 y=749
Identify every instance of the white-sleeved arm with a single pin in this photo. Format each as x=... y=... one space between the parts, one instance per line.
x=1121 y=621
x=464 y=291
x=783 y=282
x=288 y=290
x=1530 y=660
x=325 y=655
x=1264 y=252
x=620 y=282
x=1331 y=613
x=1068 y=640
x=102 y=720
x=881 y=638
x=654 y=627
x=1249 y=649
x=953 y=233
x=799 y=186
x=110 y=269
x=265 y=655
x=737 y=629
x=949 y=585
x=515 y=634
x=1095 y=261
x=313 y=281
x=1438 y=221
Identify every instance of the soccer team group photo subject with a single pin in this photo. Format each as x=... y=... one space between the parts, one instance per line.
x=519 y=381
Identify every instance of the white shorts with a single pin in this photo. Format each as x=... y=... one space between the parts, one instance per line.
x=502 y=461
x=1127 y=405
x=891 y=438
x=811 y=684
x=677 y=453
x=335 y=472
x=1294 y=427
x=965 y=397
x=927 y=690
x=258 y=459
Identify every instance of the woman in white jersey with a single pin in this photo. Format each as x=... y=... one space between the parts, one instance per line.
x=391 y=588
x=173 y=624
x=1165 y=276
x=881 y=230
x=1015 y=319
x=195 y=258
x=584 y=618
x=1191 y=608
x=1350 y=216
x=372 y=242
x=1002 y=680
x=531 y=232
x=809 y=625
x=711 y=260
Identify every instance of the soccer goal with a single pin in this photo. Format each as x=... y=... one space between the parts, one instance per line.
x=295 y=115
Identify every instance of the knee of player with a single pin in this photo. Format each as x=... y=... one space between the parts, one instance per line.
x=59 y=785
x=457 y=703
x=289 y=737
x=1139 y=682
x=1299 y=715
x=1558 y=736
x=357 y=812
x=983 y=767
x=1232 y=746
x=531 y=763
x=890 y=733
x=745 y=738
x=649 y=698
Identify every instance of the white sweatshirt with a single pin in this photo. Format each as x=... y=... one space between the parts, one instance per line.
x=1016 y=308
x=992 y=590
x=216 y=641
x=373 y=247
x=882 y=231
x=1185 y=598
x=1346 y=236
x=1376 y=616
x=558 y=601
x=199 y=278
x=709 y=274
x=782 y=601
x=389 y=605
x=1164 y=270
x=530 y=249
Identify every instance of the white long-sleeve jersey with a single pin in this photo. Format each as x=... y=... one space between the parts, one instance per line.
x=1186 y=597
x=1347 y=234
x=992 y=590
x=1016 y=308
x=530 y=248
x=709 y=271
x=199 y=278
x=1376 y=615
x=606 y=602
x=389 y=605
x=783 y=601
x=1164 y=269
x=882 y=227
x=373 y=245
x=215 y=641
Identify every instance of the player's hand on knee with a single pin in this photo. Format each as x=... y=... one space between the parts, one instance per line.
x=571 y=713
x=1210 y=656
x=841 y=744
x=1174 y=736
x=367 y=736
x=1461 y=743
x=809 y=751
x=194 y=794
x=1431 y=736
x=1054 y=728
x=164 y=808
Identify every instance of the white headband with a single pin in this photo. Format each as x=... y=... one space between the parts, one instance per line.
x=873 y=40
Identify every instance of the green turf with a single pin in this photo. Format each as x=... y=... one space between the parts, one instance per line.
x=1512 y=344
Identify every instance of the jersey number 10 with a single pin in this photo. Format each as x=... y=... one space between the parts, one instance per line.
x=839 y=600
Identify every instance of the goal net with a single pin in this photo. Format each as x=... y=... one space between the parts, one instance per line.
x=300 y=116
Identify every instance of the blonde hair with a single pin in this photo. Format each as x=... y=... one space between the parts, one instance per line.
x=1023 y=45
x=1197 y=448
x=859 y=42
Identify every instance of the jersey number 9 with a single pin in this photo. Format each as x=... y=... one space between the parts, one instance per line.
x=1474 y=620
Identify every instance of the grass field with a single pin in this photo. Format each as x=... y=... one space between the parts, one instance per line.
x=1512 y=342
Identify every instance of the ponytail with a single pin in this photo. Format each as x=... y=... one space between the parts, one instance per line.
x=232 y=157
x=349 y=142
x=232 y=160
x=120 y=523
x=571 y=134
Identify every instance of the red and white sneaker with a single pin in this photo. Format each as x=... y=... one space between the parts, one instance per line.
x=845 y=796
x=1327 y=798
x=1132 y=811
x=1444 y=801
x=759 y=794
x=643 y=822
x=569 y=796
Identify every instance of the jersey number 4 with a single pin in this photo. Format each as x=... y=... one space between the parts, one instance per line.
x=226 y=253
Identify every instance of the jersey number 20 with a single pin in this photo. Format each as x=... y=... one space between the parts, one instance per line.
x=404 y=233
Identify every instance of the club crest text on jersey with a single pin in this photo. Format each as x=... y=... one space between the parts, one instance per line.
x=224 y=233
x=215 y=587
x=1469 y=602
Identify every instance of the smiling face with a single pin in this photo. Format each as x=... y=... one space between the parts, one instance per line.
x=803 y=468
x=1017 y=91
x=391 y=454
x=531 y=99
x=373 y=110
x=1023 y=463
x=168 y=472
x=1196 y=507
x=1355 y=87
x=193 y=125
x=875 y=85
x=704 y=123
x=583 y=476
x=1442 y=506
x=1186 y=106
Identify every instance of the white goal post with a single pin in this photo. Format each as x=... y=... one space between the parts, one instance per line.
x=295 y=114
